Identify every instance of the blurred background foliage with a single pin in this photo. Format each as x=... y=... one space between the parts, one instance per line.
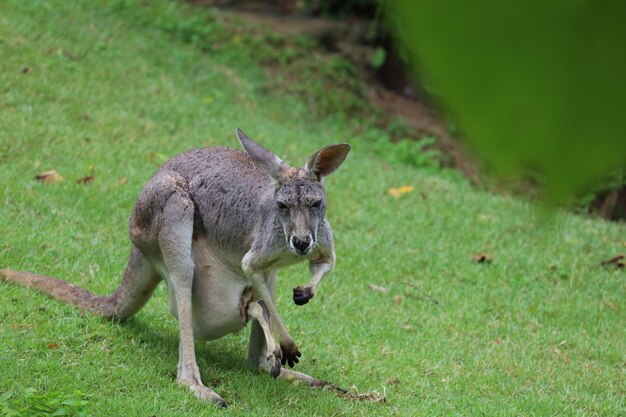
x=536 y=88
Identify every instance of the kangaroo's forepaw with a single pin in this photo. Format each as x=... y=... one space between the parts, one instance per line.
x=302 y=295
x=290 y=353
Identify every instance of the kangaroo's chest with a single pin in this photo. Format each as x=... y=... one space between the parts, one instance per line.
x=283 y=260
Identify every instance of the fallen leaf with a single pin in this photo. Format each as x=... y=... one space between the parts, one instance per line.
x=49 y=176
x=52 y=346
x=25 y=70
x=377 y=288
x=393 y=381
x=498 y=341
x=482 y=258
x=123 y=180
x=617 y=261
x=86 y=180
x=397 y=299
x=400 y=191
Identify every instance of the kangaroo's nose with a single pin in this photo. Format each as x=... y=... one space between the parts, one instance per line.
x=301 y=245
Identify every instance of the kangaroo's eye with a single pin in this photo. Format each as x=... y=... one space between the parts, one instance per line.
x=281 y=206
x=317 y=204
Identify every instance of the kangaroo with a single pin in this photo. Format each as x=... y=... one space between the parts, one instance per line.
x=216 y=224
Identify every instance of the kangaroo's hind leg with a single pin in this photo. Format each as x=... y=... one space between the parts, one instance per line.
x=166 y=201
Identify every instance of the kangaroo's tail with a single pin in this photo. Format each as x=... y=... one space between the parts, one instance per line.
x=140 y=280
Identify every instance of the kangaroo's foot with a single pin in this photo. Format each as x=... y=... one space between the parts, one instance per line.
x=195 y=385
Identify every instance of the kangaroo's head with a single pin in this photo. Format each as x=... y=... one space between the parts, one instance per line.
x=299 y=197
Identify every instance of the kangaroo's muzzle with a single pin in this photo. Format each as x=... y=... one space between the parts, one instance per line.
x=301 y=245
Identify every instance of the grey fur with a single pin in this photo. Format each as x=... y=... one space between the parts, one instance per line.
x=216 y=224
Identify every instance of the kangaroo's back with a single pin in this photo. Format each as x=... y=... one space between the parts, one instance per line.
x=229 y=193
x=211 y=162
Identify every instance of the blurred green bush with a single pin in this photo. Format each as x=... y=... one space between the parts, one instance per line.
x=536 y=87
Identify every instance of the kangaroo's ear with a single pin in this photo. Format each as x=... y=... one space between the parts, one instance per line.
x=265 y=159
x=325 y=161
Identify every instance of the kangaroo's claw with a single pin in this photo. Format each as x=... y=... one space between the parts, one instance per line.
x=290 y=354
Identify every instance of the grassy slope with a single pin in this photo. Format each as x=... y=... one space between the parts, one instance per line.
x=540 y=331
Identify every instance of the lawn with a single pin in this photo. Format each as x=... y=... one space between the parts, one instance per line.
x=112 y=89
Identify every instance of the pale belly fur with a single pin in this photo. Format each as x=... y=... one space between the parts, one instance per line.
x=216 y=295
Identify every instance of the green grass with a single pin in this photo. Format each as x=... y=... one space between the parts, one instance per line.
x=92 y=88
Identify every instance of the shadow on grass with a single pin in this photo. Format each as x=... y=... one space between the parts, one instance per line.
x=162 y=344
